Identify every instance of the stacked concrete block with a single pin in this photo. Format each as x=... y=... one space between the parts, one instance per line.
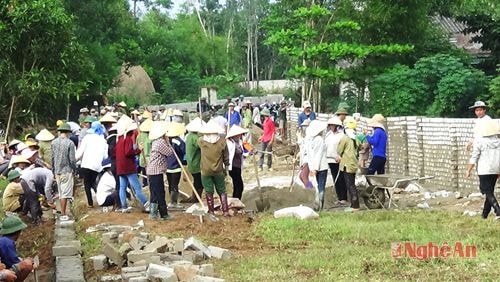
x=67 y=250
x=397 y=152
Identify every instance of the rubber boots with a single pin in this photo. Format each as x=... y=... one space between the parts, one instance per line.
x=153 y=211
x=225 y=206
x=210 y=203
x=164 y=213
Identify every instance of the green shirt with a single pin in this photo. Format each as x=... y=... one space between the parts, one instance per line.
x=146 y=151
x=348 y=152
x=214 y=157
x=193 y=153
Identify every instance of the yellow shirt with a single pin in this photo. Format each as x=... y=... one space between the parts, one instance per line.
x=348 y=152
x=11 y=196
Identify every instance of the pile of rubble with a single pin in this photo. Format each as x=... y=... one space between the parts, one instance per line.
x=143 y=258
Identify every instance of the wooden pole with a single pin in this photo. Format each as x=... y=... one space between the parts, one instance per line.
x=10 y=118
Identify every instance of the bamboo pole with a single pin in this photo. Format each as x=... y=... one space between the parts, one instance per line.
x=10 y=118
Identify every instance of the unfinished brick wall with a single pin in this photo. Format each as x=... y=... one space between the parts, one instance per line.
x=421 y=146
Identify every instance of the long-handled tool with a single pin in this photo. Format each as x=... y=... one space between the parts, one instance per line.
x=36 y=263
x=210 y=216
x=262 y=203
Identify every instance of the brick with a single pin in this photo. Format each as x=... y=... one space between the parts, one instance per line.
x=160 y=245
x=69 y=269
x=125 y=248
x=139 y=243
x=139 y=279
x=129 y=275
x=185 y=272
x=119 y=228
x=196 y=245
x=66 y=248
x=132 y=269
x=65 y=234
x=113 y=253
x=134 y=256
x=156 y=271
x=65 y=224
x=206 y=270
x=199 y=278
x=126 y=236
x=178 y=245
x=99 y=262
x=219 y=253
x=110 y=237
x=111 y=278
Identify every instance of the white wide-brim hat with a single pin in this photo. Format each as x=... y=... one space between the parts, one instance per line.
x=316 y=127
x=44 y=135
x=158 y=129
x=211 y=128
x=236 y=130
x=195 y=125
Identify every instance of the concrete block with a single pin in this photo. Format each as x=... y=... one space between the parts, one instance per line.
x=160 y=245
x=125 y=248
x=206 y=270
x=219 y=253
x=65 y=224
x=132 y=269
x=119 y=228
x=185 y=272
x=134 y=256
x=113 y=253
x=199 y=278
x=126 y=237
x=178 y=245
x=140 y=263
x=129 y=275
x=156 y=271
x=111 y=278
x=69 y=269
x=144 y=235
x=196 y=245
x=193 y=256
x=138 y=243
x=99 y=262
x=139 y=279
x=110 y=237
x=65 y=234
x=66 y=248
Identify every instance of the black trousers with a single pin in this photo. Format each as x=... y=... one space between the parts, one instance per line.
x=173 y=180
x=157 y=188
x=340 y=187
x=351 y=187
x=235 y=174
x=487 y=187
x=31 y=203
x=197 y=183
x=89 y=178
x=377 y=165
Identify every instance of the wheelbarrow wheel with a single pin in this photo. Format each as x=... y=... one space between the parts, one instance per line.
x=374 y=197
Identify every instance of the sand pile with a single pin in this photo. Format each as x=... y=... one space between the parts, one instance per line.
x=280 y=198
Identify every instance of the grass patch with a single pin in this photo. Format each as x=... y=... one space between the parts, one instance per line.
x=341 y=246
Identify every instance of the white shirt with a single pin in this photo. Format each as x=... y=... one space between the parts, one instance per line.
x=92 y=151
x=256 y=115
x=105 y=187
x=316 y=154
x=332 y=140
x=486 y=155
x=231 y=148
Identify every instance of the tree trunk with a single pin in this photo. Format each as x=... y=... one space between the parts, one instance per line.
x=10 y=118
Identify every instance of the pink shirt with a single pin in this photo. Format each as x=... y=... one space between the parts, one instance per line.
x=269 y=129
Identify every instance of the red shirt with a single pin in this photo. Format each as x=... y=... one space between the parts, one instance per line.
x=125 y=154
x=269 y=129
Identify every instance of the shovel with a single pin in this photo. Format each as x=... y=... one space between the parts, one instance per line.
x=36 y=262
x=262 y=203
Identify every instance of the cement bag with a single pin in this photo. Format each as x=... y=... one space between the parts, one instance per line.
x=299 y=212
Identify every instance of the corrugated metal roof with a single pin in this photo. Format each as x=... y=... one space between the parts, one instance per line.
x=449 y=24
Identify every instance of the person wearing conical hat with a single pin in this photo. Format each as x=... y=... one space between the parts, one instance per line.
x=12 y=226
x=157 y=166
x=220 y=120
x=213 y=164
x=234 y=140
x=347 y=151
x=45 y=138
x=332 y=140
x=177 y=116
x=126 y=150
x=193 y=156
x=485 y=158
x=64 y=165
x=175 y=130
x=378 y=142
x=87 y=122
x=144 y=141
x=107 y=121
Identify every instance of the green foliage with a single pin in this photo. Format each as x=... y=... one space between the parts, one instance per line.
x=440 y=85
x=494 y=100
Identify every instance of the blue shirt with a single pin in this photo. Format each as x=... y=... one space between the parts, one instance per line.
x=233 y=118
x=8 y=253
x=379 y=142
x=179 y=147
x=303 y=117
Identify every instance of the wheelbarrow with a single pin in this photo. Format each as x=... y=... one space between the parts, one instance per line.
x=374 y=194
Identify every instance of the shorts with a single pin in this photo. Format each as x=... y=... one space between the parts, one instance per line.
x=65 y=185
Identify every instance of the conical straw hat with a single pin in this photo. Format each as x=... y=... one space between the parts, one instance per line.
x=124 y=124
x=195 y=125
x=108 y=117
x=44 y=135
x=175 y=129
x=158 y=129
x=236 y=130
x=146 y=125
x=315 y=128
x=211 y=128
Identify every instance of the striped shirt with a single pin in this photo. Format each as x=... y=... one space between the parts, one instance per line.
x=160 y=150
